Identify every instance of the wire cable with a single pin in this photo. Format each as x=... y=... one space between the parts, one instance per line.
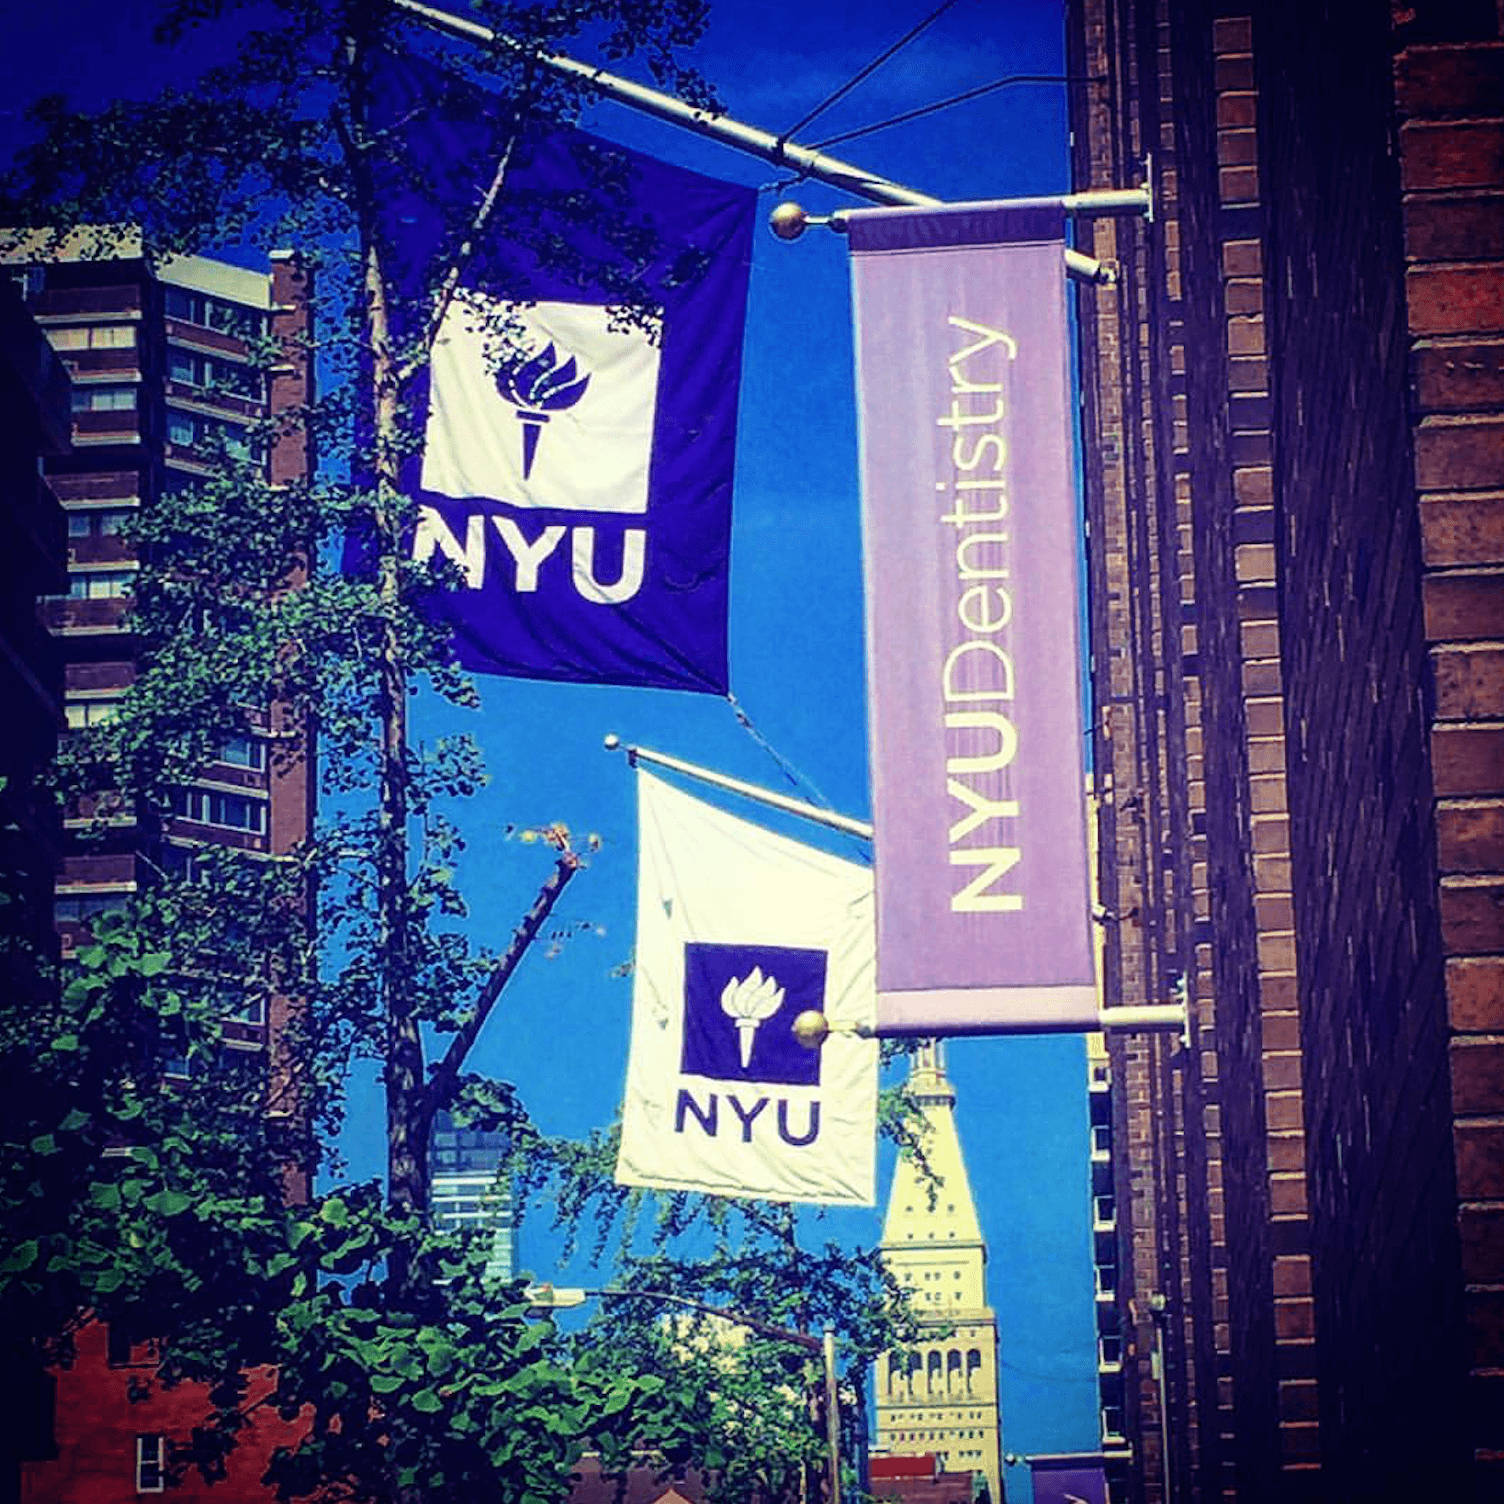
x=955 y=99
x=870 y=69
x=794 y=777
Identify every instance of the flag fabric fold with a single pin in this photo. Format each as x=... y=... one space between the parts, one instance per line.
x=739 y=930
x=573 y=463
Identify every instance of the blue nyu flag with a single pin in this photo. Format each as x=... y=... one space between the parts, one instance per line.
x=575 y=464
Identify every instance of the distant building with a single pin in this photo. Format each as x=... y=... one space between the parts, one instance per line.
x=921 y=1479
x=1104 y=1222
x=942 y=1400
x=467 y=1191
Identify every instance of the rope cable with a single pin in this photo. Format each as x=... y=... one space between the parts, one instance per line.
x=792 y=775
x=955 y=99
x=870 y=69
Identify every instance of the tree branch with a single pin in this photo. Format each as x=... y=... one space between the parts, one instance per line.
x=445 y=1076
x=466 y=253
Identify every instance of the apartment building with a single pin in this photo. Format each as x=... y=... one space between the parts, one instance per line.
x=167 y=363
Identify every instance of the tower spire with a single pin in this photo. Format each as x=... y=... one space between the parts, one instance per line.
x=944 y=1398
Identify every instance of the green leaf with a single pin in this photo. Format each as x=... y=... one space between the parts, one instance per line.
x=386 y=1383
x=154 y=963
x=168 y=1203
x=75 y=1120
x=66 y=1044
x=104 y=1195
x=44 y=1143
x=22 y=1256
x=427 y=1401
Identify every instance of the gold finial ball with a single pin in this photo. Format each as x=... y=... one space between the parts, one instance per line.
x=788 y=221
x=811 y=1028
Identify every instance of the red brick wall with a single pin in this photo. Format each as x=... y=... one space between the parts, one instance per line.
x=102 y=1408
x=1450 y=103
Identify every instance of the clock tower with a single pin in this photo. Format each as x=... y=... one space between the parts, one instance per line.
x=942 y=1398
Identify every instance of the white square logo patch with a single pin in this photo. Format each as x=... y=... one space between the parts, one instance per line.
x=566 y=421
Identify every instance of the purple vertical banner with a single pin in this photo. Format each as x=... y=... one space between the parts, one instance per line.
x=973 y=636
x=1068 y=1483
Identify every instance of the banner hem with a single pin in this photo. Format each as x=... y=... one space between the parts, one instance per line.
x=990 y=1010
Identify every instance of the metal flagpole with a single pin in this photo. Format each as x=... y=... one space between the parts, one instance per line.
x=1140 y=1017
x=827 y=817
x=777 y=149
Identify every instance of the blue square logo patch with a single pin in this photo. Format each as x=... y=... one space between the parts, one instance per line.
x=740 y=1003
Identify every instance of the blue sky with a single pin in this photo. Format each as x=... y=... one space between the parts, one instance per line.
x=796 y=628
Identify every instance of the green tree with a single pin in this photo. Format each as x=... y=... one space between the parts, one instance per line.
x=150 y=1184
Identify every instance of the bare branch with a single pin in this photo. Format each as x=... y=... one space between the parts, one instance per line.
x=466 y=252
x=445 y=1077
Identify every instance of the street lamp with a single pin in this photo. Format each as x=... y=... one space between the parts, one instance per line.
x=555 y=1297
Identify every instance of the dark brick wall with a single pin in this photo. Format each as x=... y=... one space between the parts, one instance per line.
x=1287 y=643
x=1381 y=1191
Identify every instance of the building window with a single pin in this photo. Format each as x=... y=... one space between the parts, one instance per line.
x=98 y=522
x=100 y=584
x=242 y=752
x=211 y=313
x=80 y=908
x=151 y=1463
x=210 y=807
x=94 y=337
x=212 y=374
x=248 y=1008
x=192 y=431
x=82 y=713
x=104 y=399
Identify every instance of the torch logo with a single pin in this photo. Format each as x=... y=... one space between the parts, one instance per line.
x=568 y=365
x=538 y=387
x=740 y=1003
x=747 y=1002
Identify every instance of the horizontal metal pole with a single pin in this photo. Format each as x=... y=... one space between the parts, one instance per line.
x=1143 y=1016
x=776 y=149
x=663 y=106
x=1091 y=201
x=829 y=818
x=1147 y=1018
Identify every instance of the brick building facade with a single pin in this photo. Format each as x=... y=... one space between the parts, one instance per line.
x=34 y=399
x=160 y=359
x=1294 y=421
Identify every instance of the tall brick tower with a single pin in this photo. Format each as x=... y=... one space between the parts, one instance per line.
x=160 y=359
x=1294 y=429
x=944 y=1399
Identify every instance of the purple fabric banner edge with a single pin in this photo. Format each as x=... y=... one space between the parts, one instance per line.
x=1018 y=985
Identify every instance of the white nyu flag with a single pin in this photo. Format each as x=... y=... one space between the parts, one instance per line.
x=739 y=931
